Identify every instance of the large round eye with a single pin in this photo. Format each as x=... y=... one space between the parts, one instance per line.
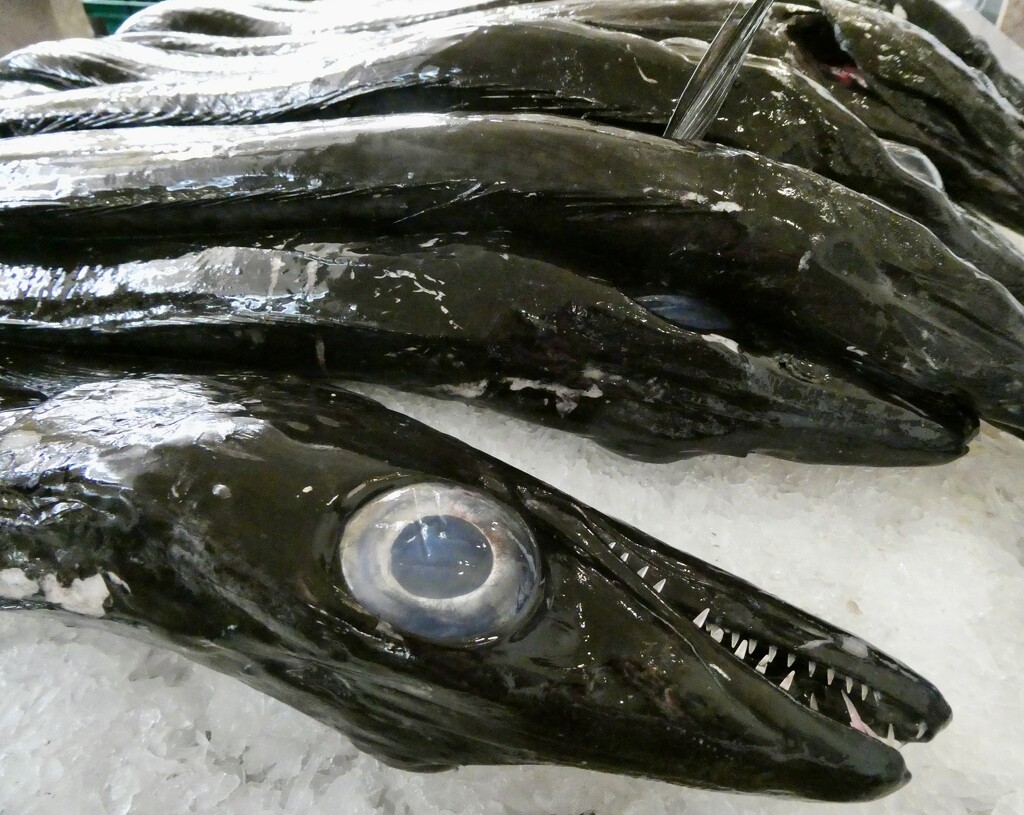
x=441 y=562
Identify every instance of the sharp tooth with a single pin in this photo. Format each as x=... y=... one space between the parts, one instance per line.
x=856 y=722
x=611 y=545
x=829 y=676
x=741 y=652
x=751 y=646
x=891 y=735
x=863 y=692
x=814 y=703
x=762 y=666
x=659 y=586
x=788 y=681
x=772 y=651
x=717 y=634
x=921 y=727
x=702 y=618
x=876 y=696
x=735 y=638
x=790 y=659
x=625 y=557
x=642 y=571
x=810 y=668
x=849 y=685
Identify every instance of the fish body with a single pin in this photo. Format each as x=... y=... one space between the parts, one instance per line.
x=929 y=98
x=943 y=24
x=480 y=324
x=543 y=66
x=225 y=516
x=662 y=218
x=846 y=45
x=80 y=63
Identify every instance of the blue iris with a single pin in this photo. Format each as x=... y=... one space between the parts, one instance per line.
x=441 y=556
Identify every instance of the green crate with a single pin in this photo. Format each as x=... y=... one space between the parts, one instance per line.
x=107 y=15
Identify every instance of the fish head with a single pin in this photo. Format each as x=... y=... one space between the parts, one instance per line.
x=436 y=605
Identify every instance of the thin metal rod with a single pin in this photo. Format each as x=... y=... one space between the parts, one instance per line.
x=713 y=77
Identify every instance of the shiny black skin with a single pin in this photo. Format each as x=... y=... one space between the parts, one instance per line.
x=212 y=506
x=947 y=28
x=929 y=97
x=187 y=42
x=660 y=218
x=81 y=63
x=484 y=325
x=271 y=19
x=555 y=67
x=930 y=100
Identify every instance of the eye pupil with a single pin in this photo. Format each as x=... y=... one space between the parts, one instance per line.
x=441 y=556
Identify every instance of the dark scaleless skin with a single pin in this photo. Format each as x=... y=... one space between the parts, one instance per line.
x=948 y=29
x=450 y=318
x=927 y=97
x=816 y=265
x=567 y=68
x=212 y=506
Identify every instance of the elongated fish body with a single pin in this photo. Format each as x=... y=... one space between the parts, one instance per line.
x=80 y=63
x=980 y=149
x=212 y=45
x=482 y=325
x=269 y=530
x=661 y=217
x=808 y=127
x=943 y=24
x=924 y=86
x=543 y=66
x=247 y=20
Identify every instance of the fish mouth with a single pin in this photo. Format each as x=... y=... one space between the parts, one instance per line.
x=787 y=670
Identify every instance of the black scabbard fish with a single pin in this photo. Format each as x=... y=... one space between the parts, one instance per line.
x=544 y=66
x=212 y=45
x=435 y=605
x=82 y=63
x=280 y=18
x=900 y=80
x=907 y=86
x=943 y=24
x=482 y=325
x=783 y=250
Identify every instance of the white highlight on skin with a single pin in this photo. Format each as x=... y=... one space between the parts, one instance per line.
x=720 y=340
x=566 y=398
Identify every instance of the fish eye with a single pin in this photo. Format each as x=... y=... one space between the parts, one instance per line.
x=441 y=562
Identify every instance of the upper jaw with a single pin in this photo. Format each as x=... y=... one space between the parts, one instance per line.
x=794 y=672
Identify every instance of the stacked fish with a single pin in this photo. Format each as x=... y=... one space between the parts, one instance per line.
x=800 y=284
x=474 y=201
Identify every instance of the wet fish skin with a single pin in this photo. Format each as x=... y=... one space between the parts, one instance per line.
x=834 y=143
x=930 y=99
x=212 y=45
x=712 y=219
x=950 y=30
x=979 y=147
x=279 y=18
x=546 y=66
x=482 y=325
x=82 y=63
x=205 y=506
